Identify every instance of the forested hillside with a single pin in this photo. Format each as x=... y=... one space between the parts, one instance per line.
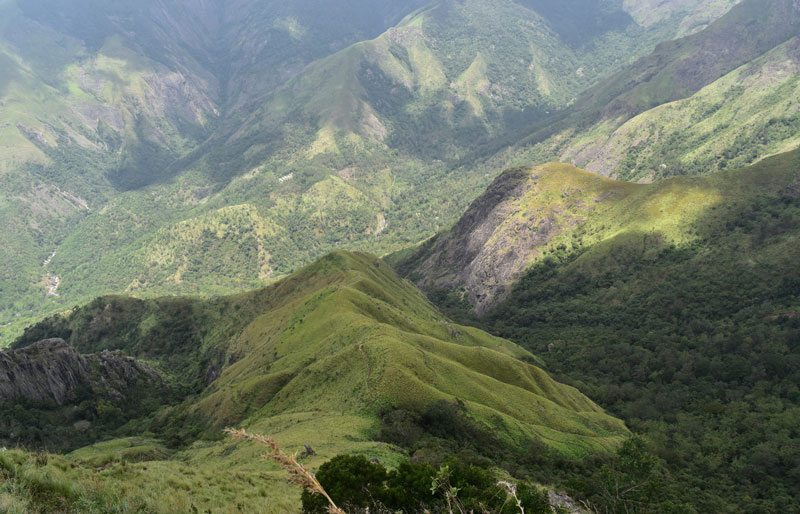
x=142 y=143
x=719 y=99
x=674 y=304
x=589 y=295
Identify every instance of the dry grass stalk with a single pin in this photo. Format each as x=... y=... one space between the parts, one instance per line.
x=512 y=491
x=297 y=473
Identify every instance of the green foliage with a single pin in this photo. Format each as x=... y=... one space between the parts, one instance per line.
x=353 y=482
x=630 y=483
x=181 y=178
x=632 y=479
x=290 y=348
x=314 y=359
x=694 y=345
x=680 y=111
x=359 y=485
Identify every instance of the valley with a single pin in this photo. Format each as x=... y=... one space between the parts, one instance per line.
x=490 y=256
x=670 y=303
x=197 y=138
x=717 y=99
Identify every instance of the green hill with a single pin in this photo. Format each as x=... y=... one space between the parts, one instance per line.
x=142 y=143
x=719 y=99
x=314 y=359
x=675 y=304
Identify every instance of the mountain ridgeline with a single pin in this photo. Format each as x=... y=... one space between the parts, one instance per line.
x=342 y=355
x=589 y=212
x=719 y=99
x=143 y=143
x=674 y=304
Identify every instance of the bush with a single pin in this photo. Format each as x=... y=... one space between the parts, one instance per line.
x=357 y=485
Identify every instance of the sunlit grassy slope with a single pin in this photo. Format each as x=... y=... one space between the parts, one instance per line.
x=688 y=108
x=746 y=115
x=342 y=131
x=674 y=304
x=342 y=336
x=312 y=360
x=364 y=339
x=532 y=214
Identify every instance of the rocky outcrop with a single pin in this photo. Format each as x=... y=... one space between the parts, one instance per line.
x=53 y=371
x=463 y=258
x=507 y=228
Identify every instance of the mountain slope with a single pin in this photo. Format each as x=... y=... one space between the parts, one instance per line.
x=746 y=115
x=531 y=214
x=718 y=99
x=522 y=215
x=675 y=304
x=445 y=79
x=53 y=397
x=313 y=360
x=312 y=127
x=102 y=97
x=312 y=327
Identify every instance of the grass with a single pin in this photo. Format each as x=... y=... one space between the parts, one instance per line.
x=406 y=355
x=129 y=450
x=667 y=303
x=673 y=114
x=372 y=100
x=298 y=475
x=311 y=360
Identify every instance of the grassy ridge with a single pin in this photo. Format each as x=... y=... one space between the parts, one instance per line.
x=677 y=309
x=580 y=213
x=722 y=98
x=311 y=360
x=740 y=118
x=365 y=122
x=272 y=349
x=523 y=215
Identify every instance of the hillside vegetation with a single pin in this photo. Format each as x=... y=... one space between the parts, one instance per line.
x=676 y=307
x=719 y=99
x=142 y=143
x=333 y=356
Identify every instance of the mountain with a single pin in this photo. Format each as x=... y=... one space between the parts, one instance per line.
x=141 y=143
x=50 y=385
x=331 y=356
x=718 y=99
x=523 y=214
x=674 y=304
x=534 y=214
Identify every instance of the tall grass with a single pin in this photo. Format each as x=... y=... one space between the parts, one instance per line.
x=300 y=476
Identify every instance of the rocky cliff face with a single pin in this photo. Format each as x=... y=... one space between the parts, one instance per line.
x=521 y=216
x=53 y=371
x=462 y=258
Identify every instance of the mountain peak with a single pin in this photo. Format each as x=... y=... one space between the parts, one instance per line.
x=508 y=227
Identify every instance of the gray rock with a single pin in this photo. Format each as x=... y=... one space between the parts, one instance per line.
x=49 y=370
x=471 y=255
